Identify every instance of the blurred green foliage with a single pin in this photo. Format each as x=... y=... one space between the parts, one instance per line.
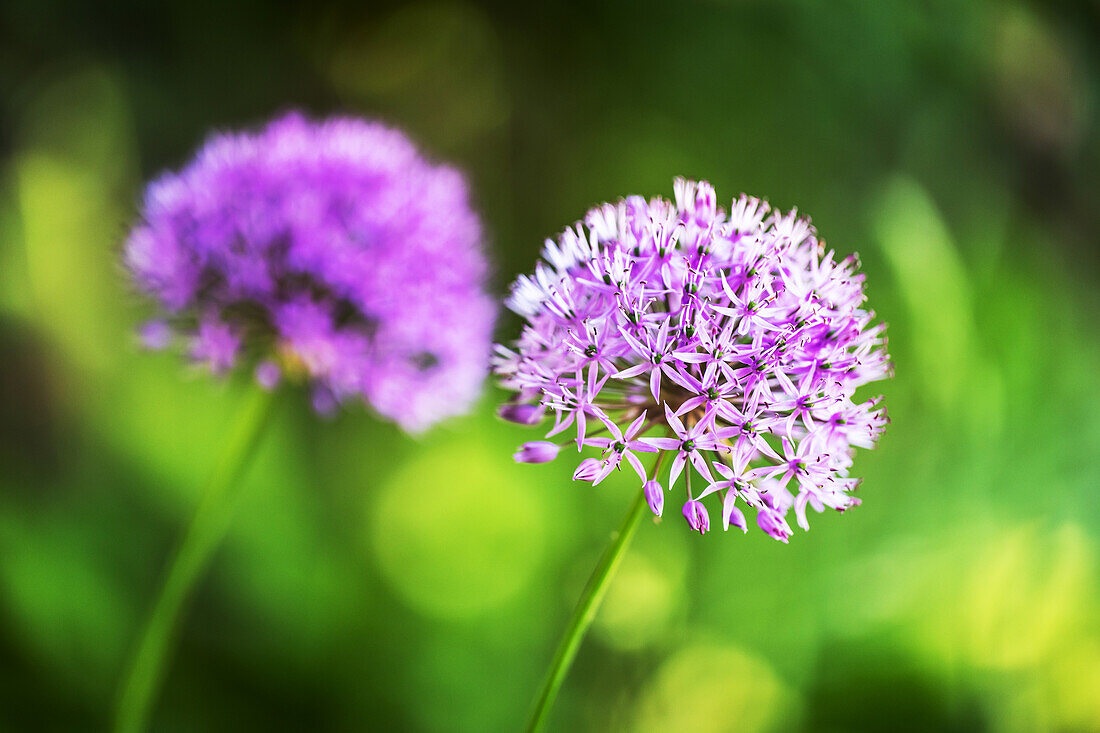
x=377 y=581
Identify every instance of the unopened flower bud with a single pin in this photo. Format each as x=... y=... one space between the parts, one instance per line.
x=522 y=414
x=538 y=451
x=696 y=515
x=588 y=470
x=773 y=523
x=654 y=496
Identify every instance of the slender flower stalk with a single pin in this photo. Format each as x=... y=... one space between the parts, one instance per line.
x=328 y=254
x=208 y=527
x=587 y=606
x=736 y=337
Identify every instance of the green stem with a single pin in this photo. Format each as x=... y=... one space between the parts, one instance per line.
x=587 y=606
x=208 y=527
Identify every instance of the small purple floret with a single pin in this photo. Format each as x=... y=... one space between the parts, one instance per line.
x=538 y=451
x=216 y=345
x=773 y=523
x=268 y=374
x=696 y=515
x=654 y=496
x=587 y=470
x=155 y=335
x=522 y=414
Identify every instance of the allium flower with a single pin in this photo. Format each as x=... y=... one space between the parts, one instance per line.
x=330 y=252
x=733 y=341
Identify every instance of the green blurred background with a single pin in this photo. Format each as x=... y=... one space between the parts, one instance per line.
x=372 y=580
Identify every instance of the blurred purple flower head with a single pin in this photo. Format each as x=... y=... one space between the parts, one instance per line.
x=325 y=251
x=734 y=341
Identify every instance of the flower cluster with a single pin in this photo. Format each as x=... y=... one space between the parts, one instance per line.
x=329 y=252
x=732 y=342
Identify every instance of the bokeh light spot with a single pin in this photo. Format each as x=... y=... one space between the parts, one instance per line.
x=648 y=592
x=456 y=532
x=708 y=688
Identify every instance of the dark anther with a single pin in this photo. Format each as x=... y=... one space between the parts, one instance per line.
x=424 y=360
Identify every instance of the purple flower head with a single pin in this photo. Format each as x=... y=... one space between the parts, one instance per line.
x=732 y=340
x=327 y=252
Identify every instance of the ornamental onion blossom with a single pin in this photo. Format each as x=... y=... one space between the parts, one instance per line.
x=733 y=342
x=329 y=252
